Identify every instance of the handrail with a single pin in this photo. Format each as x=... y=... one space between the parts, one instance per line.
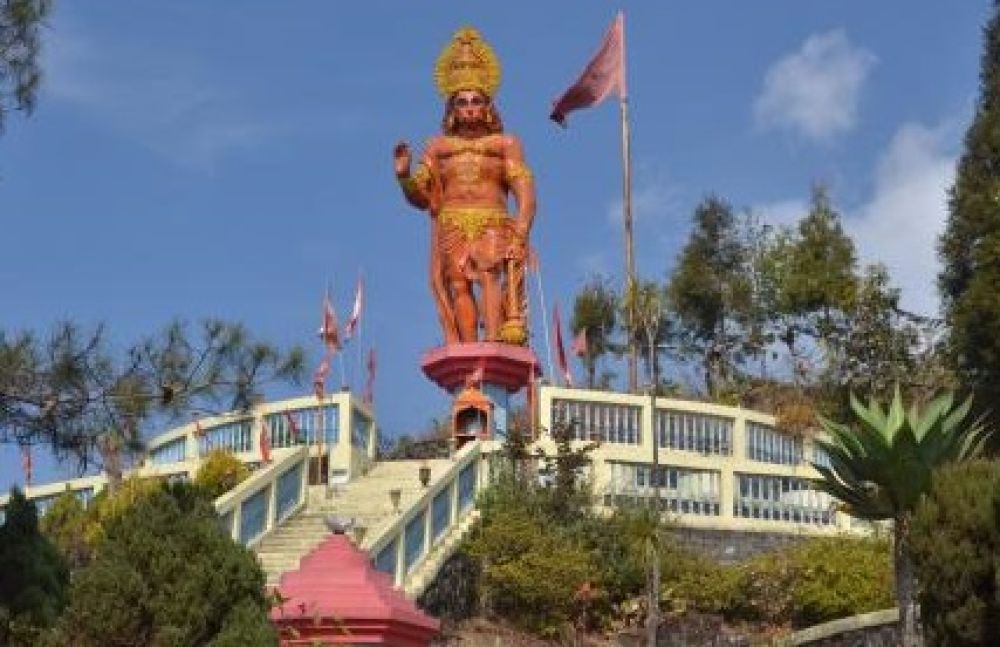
x=233 y=506
x=388 y=547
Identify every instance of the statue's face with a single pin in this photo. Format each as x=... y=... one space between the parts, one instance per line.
x=470 y=106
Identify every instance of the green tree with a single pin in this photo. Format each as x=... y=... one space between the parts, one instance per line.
x=220 y=472
x=166 y=574
x=818 y=277
x=709 y=291
x=956 y=547
x=882 y=465
x=969 y=248
x=34 y=575
x=72 y=392
x=595 y=311
x=65 y=524
x=645 y=531
x=21 y=22
x=648 y=304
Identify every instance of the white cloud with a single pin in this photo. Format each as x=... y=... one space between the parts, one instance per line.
x=156 y=101
x=815 y=90
x=901 y=223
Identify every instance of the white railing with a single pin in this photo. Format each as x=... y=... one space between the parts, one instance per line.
x=251 y=510
x=402 y=547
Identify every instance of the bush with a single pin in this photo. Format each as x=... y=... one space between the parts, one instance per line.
x=33 y=576
x=955 y=541
x=166 y=574
x=65 y=525
x=220 y=472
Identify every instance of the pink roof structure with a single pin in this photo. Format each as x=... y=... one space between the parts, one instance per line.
x=337 y=598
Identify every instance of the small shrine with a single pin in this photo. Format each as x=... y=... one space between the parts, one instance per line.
x=336 y=597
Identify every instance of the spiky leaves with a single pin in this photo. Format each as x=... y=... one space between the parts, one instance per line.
x=882 y=465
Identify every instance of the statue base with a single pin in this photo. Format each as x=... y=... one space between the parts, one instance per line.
x=482 y=376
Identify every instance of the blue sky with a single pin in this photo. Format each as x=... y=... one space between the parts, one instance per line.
x=192 y=159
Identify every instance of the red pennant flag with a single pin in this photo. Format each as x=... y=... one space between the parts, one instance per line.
x=369 y=396
x=579 y=346
x=352 y=323
x=293 y=427
x=604 y=73
x=328 y=331
x=560 y=348
x=319 y=377
x=26 y=464
x=265 y=442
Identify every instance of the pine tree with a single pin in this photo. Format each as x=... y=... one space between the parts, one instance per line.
x=970 y=246
x=20 y=24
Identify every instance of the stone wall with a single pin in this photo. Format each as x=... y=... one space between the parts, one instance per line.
x=728 y=546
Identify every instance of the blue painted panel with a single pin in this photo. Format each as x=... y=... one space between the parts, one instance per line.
x=173 y=452
x=467 y=487
x=289 y=491
x=253 y=517
x=416 y=539
x=385 y=561
x=440 y=513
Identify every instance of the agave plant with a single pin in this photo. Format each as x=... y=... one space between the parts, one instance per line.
x=880 y=467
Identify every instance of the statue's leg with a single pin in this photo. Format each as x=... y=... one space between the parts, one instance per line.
x=465 y=308
x=439 y=290
x=492 y=305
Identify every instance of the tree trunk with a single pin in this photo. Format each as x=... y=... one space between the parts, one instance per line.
x=653 y=616
x=905 y=582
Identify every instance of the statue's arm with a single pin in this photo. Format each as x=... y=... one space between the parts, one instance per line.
x=518 y=177
x=417 y=186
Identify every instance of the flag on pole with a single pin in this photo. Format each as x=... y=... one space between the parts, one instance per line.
x=265 y=442
x=328 y=332
x=26 y=464
x=579 y=345
x=604 y=73
x=319 y=377
x=560 y=348
x=352 y=322
x=369 y=395
x=293 y=427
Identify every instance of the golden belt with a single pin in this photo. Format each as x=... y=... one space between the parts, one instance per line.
x=471 y=221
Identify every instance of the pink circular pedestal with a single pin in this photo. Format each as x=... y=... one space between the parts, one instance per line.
x=450 y=367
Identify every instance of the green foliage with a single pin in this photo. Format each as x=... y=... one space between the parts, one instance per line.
x=970 y=245
x=220 y=472
x=165 y=574
x=33 y=576
x=882 y=465
x=72 y=392
x=709 y=290
x=595 y=310
x=65 y=524
x=955 y=542
x=21 y=23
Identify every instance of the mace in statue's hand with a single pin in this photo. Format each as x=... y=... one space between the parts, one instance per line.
x=401 y=159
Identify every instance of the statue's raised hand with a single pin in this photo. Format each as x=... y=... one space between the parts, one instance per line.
x=401 y=158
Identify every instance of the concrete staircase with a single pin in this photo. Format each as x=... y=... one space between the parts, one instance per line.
x=366 y=499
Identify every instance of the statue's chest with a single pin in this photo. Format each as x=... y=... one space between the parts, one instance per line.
x=472 y=163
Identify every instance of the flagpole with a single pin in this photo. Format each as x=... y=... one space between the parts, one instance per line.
x=630 y=282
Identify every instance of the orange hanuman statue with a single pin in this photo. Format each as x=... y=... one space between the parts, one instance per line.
x=463 y=179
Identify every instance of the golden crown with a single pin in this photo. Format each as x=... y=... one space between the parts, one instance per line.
x=467 y=63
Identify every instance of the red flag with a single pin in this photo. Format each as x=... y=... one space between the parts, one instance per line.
x=319 y=377
x=328 y=332
x=560 y=349
x=605 y=72
x=359 y=298
x=369 y=396
x=579 y=346
x=26 y=463
x=293 y=427
x=265 y=442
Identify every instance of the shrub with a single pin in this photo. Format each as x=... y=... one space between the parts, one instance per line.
x=220 y=472
x=165 y=574
x=955 y=540
x=65 y=525
x=33 y=576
